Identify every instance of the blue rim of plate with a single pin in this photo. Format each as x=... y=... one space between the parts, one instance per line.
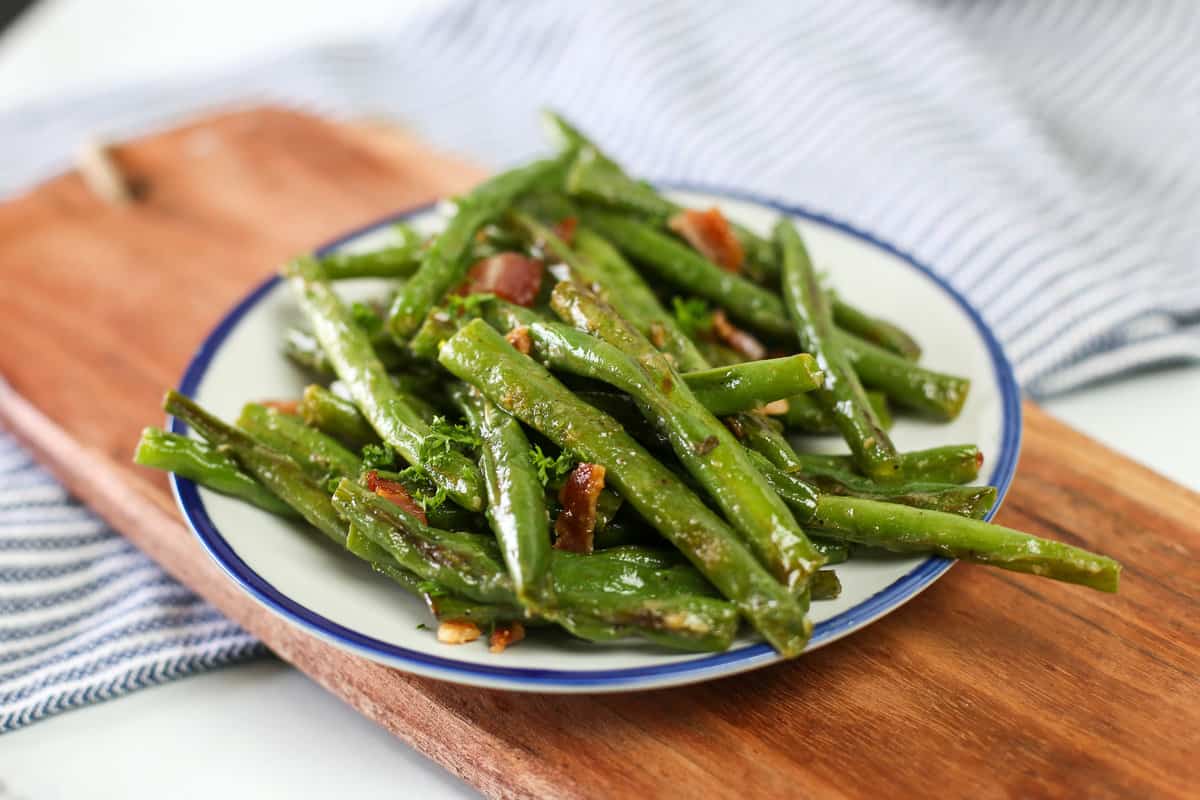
x=698 y=669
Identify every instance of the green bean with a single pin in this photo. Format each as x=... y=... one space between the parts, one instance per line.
x=597 y=603
x=283 y=476
x=805 y=414
x=744 y=387
x=917 y=530
x=437 y=328
x=702 y=443
x=480 y=356
x=303 y=350
x=446 y=261
x=955 y=463
x=880 y=332
x=826 y=585
x=682 y=622
x=454 y=560
x=516 y=499
x=598 y=177
x=393 y=417
x=398 y=260
x=678 y=264
x=834 y=552
x=382 y=562
x=933 y=394
x=842 y=395
x=320 y=456
x=800 y=491
x=339 y=418
x=206 y=465
x=595 y=261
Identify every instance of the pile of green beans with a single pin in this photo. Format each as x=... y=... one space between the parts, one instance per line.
x=451 y=442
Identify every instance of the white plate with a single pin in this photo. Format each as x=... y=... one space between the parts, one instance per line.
x=310 y=583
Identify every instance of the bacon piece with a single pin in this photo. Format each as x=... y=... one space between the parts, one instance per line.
x=709 y=233
x=576 y=523
x=504 y=635
x=565 y=229
x=290 y=407
x=458 y=631
x=736 y=338
x=395 y=491
x=509 y=276
x=520 y=339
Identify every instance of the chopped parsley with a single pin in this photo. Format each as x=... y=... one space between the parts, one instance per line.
x=692 y=315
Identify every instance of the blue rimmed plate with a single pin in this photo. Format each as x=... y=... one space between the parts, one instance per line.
x=328 y=593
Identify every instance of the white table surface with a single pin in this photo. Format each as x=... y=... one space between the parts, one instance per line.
x=265 y=730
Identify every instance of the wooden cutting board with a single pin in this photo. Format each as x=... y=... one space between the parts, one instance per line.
x=989 y=684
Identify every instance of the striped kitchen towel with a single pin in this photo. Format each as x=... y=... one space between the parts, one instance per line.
x=1044 y=157
x=85 y=616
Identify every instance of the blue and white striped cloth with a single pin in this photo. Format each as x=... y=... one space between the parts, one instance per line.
x=1043 y=156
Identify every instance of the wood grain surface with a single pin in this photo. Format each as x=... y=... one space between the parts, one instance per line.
x=990 y=684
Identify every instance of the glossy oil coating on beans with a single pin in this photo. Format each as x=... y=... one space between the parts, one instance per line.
x=516 y=506
x=904 y=529
x=284 y=477
x=805 y=415
x=395 y=419
x=880 y=332
x=445 y=263
x=339 y=418
x=683 y=267
x=746 y=386
x=701 y=442
x=206 y=465
x=481 y=357
x=842 y=394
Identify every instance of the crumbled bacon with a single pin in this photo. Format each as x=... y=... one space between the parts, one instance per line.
x=395 y=491
x=290 y=407
x=509 y=276
x=505 y=635
x=565 y=229
x=738 y=339
x=576 y=523
x=458 y=631
x=709 y=233
x=520 y=339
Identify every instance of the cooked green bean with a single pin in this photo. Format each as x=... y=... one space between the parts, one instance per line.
x=445 y=263
x=800 y=491
x=590 y=606
x=325 y=411
x=395 y=419
x=880 y=332
x=595 y=261
x=744 y=387
x=680 y=265
x=516 y=499
x=701 y=442
x=917 y=530
x=933 y=394
x=826 y=585
x=321 y=456
x=842 y=395
x=955 y=463
x=805 y=414
x=481 y=357
x=598 y=177
x=206 y=465
x=398 y=260
x=283 y=476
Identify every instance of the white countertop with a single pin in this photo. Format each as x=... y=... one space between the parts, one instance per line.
x=265 y=730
